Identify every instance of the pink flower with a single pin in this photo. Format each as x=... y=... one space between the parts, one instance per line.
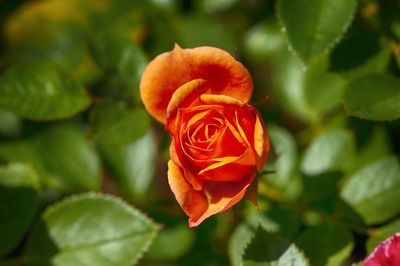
x=387 y=253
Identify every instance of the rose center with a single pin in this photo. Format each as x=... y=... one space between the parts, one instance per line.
x=205 y=132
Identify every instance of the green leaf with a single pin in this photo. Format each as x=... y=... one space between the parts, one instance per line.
x=216 y=6
x=285 y=146
x=120 y=59
x=270 y=249
x=326 y=244
x=19 y=187
x=278 y=219
x=374 y=97
x=10 y=124
x=332 y=151
x=204 y=30
x=286 y=177
x=335 y=209
x=374 y=190
x=238 y=242
x=93 y=229
x=133 y=165
x=73 y=160
x=306 y=95
x=314 y=27
x=115 y=124
x=382 y=233
x=376 y=147
x=323 y=90
x=23 y=151
x=182 y=237
x=41 y=92
x=321 y=186
x=351 y=61
x=68 y=165
x=263 y=41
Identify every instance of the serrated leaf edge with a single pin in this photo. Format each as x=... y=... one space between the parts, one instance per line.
x=248 y=243
x=326 y=50
x=254 y=236
x=93 y=195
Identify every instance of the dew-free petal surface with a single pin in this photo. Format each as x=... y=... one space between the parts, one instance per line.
x=170 y=70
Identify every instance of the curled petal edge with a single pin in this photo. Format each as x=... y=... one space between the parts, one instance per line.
x=214 y=198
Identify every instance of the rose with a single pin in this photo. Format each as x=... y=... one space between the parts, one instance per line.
x=218 y=140
x=387 y=253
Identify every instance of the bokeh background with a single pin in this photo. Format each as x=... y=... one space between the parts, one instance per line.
x=318 y=189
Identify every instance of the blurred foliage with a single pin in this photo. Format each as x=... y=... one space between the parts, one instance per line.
x=327 y=82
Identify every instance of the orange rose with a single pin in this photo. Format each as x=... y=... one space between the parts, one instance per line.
x=218 y=140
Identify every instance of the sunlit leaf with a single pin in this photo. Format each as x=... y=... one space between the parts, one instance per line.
x=314 y=27
x=133 y=165
x=279 y=220
x=269 y=249
x=41 y=92
x=92 y=229
x=70 y=164
x=73 y=159
x=373 y=190
x=331 y=151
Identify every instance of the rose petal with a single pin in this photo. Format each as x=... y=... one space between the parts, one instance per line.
x=170 y=70
x=193 y=203
x=196 y=204
x=190 y=178
x=185 y=96
x=222 y=196
x=261 y=143
x=229 y=167
x=387 y=253
x=220 y=99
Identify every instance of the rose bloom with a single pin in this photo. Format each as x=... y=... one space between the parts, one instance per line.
x=219 y=141
x=387 y=253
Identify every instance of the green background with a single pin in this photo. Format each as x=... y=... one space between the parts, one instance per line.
x=83 y=166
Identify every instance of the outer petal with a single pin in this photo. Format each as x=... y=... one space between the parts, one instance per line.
x=199 y=205
x=194 y=203
x=186 y=95
x=169 y=71
x=261 y=143
x=222 y=196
